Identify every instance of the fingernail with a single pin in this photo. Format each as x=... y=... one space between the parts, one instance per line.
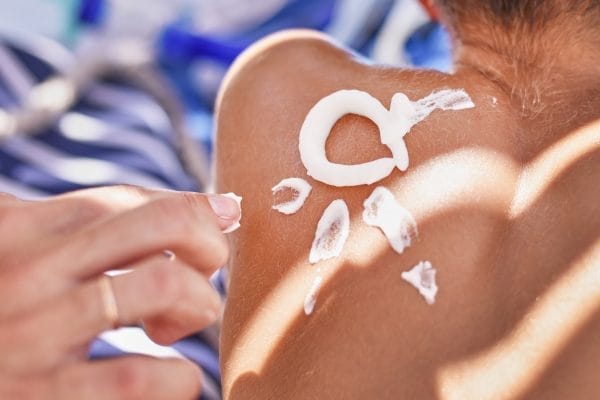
x=225 y=207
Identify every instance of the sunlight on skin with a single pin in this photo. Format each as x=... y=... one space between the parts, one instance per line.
x=507 y=370
x=520 y=358
x=553 y=161
x=449 y=181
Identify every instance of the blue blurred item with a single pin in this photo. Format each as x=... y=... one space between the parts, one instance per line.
x=179 y=43
x=197 y=61
x=429 y=47
x=92 y=12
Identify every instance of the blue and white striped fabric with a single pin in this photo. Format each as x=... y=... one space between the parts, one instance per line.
x=115 y=134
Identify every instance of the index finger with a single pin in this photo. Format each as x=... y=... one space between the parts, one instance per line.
x=185 y=224
x=73 y=211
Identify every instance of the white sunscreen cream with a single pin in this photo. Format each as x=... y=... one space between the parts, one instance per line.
x=397 y=223
x=393 y=125
x=422 y=277
x=446 y=100
x=311 y=297
x=301 y=190
x=236 y=225
x=332 y=231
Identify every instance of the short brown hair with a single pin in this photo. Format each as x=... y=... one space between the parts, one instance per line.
x=523 y=13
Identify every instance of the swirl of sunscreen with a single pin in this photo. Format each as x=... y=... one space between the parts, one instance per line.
x=317 y=127
x=393 y=125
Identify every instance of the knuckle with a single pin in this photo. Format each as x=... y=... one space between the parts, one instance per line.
x=166 y=282
x=7 y=198
x=219 y=249
x=131 y=190
x=81 y=212
x=191 y=384
x=15 y=277
x=194 y=201
x=80 y=301
x=34 y=264
x=85 y=209
x=123 y=194
x=12 y=213
x=131 y=380
x=174 y=218
x=16 y=388
x=18 y=345
x=20 y=335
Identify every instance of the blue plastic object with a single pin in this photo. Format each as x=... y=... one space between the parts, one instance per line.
x=178 y=43
x=430 y=47
x=92 y=12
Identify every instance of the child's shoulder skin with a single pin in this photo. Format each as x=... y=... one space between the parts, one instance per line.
x=502 y=241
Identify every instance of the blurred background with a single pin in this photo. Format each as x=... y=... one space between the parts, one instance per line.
x=101 y=92
x=96 y=92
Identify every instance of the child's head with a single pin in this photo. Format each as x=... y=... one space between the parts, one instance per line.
x=529 y=47
x=526 y=16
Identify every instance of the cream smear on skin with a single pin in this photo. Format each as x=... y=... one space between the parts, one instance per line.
x=393 y=125
x=381 y=209
x=332 y=231
x=236 y=224
x=422 y=277
x=301 y=190
x=384 y=212
x=311 y=297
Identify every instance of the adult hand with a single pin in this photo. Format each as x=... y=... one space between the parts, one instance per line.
x=53 y=293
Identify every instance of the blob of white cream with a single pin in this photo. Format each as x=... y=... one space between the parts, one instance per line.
x=236 y=224
x=301 y=190
x=331 y=234
x=397 y=224
x=422 y=277
x=311 y=297
x=393 y=125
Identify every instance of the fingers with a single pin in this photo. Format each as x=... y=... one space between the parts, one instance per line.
x=185 y=224
x=128 y=378
x=176 y=300
x=129 y=223
x=65 y=214
x=188 y=302
x=72 y=211
x=197 y=307
x=49 y=265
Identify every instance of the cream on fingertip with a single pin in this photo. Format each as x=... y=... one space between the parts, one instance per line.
x=235 y=225
x=228 y=208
